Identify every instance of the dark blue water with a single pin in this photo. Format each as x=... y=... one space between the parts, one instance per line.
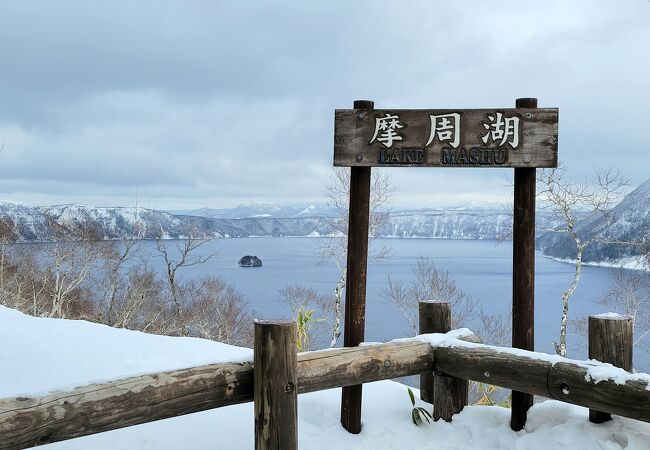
x=481 y=268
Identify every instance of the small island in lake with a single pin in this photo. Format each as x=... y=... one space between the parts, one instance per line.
x=250 y=261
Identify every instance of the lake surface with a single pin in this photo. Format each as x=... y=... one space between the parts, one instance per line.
x=481 y=268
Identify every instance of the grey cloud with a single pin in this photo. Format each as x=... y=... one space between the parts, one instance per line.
x=207 y=101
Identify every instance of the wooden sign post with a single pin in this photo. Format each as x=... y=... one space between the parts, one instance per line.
x=524 y=138
x=355 y=279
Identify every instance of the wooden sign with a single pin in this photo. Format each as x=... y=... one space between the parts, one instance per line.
x=520 y=137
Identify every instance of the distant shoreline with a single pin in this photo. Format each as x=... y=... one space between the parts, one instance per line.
x=630 y=263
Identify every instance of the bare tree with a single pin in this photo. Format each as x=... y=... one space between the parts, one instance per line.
x=71 y=256
x=495 y=328
x=8 y=235
x=141 y=304
x=431 y=283
x=116 y=256
x=216 y=310
x=571 y=205
x=333 y=248
x=628 y=294
x=187 y=255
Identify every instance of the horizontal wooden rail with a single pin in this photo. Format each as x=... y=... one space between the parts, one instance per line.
x=567 y=381
x=26 y=422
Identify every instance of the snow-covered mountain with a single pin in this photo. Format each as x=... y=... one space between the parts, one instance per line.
x=41 y=223
x=27 y=223
x=260 y=209
x=35 y=223
x=449 y=223
x=629 y=221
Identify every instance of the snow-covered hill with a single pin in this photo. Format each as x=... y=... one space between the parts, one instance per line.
x=40 y=223
x=628 y=221
x=73 y=353
x=261 y=210
x=26 y=223
x=35 y=223
x=449 y=223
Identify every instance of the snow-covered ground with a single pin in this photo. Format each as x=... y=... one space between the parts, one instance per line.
x=40 y=355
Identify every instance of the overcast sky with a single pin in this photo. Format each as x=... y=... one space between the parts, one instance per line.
x=208 y=103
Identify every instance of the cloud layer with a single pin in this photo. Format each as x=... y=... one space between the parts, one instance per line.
x=214 y=103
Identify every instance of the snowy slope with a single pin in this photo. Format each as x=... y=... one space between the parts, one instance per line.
x=260 y=209
x=627 y=221
x=77 y=352
x=449 y=223
x=33 y=223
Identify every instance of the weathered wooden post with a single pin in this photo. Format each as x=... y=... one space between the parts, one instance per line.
x=610 y=341
x=434 y=317
x=355 y=282
x=449 y=395
x=275 y=386
x=523 y=272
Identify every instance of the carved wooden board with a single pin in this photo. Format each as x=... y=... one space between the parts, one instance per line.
x=446 y=138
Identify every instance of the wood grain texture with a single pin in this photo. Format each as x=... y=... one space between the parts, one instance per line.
x=27 y=422
x=488 y=365
x=523 y=272
x=434 y=317
x=354 y=129
x=567 y=383
x=610 y=341
x=329 y=369
x=276 y=386
x=447 y=394
x=355 y=281
x=564 y=381
x=451 y=395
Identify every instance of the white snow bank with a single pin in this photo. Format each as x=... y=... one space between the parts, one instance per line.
x=46 y=354
x=39 y=355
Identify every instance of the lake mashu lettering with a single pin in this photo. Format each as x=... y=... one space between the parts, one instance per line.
x=446 y=129
x=504 y=137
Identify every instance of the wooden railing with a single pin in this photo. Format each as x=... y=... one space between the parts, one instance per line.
x=280 y=375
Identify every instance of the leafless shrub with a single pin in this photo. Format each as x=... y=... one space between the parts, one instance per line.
x=431 y=283
x=79 y=275
x=215 y=310
x=628 y=294
x=495 y=328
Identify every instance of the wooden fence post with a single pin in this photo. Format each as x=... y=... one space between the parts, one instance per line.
x=275 y=386
x=449 y=395
x=434 y=317
x=355 y=282
x=523 y=273
x=610 y=341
